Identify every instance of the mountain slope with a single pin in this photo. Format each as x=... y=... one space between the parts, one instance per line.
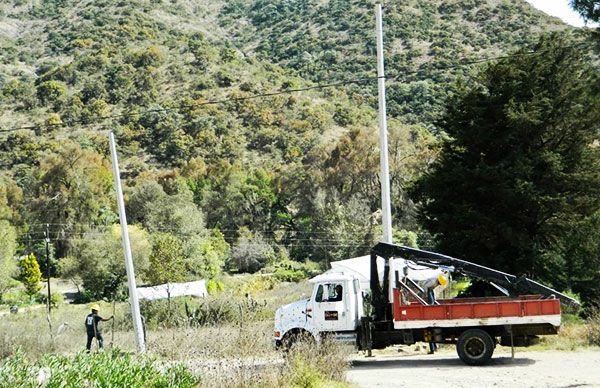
x=334 y=40
x=187 y=87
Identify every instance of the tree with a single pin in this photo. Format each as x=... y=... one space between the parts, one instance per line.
x=589 y=9
x=202 y=51
x=583 y=268
x=520 y=169
x=72 y=188
x=340 y=229
x=7 y=262
x=158 y=211
x=10 y=197
x=167 y=262
x=30 y=274
x=96 y=259
x=206 y=255
x=52 y=92
x=250 y=253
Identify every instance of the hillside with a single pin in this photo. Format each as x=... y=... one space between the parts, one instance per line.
x=334 y=40
x=254 y=180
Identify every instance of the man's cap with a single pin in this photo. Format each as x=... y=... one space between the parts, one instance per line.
x=95 y=307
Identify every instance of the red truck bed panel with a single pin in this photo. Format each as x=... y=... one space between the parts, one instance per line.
x=478 y=309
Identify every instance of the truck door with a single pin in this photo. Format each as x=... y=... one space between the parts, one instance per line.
x=330 y=311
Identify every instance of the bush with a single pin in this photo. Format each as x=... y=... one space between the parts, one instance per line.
x=210 y=311
x=257 y=284
x=113 y=368
x=20 y=298
x=214 y=286
x=56 y=299
x=250 y=253
x=292 y=271
x=213 y=311
x=593 y=328
x=317 y=365
x=162 y=313
x=51 y=91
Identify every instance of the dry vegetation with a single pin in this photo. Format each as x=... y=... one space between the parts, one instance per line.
x=231 y=354
x=235 y=353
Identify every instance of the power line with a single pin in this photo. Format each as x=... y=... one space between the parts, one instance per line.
x=98 y=120
x=87 y=122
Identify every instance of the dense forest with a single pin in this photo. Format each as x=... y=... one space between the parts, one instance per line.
x=247 y=132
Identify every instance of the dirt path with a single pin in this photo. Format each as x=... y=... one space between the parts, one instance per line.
x=528 y=369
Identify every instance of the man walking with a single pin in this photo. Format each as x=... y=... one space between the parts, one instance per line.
x=92 y=328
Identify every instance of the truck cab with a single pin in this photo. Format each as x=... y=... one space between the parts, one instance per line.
x=334 y=308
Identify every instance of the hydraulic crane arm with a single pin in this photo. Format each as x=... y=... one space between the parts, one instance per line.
x=516 y=285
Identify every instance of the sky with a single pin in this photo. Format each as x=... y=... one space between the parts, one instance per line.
x=559 y=8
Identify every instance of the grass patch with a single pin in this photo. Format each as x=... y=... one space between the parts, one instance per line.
x=107 y=369
x=593 y=328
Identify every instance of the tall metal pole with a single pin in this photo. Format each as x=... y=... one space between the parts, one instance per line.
x=383 y=142
x=47 y=238
x=133 y=296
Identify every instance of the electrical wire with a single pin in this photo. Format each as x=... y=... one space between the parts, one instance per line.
x=96 y=121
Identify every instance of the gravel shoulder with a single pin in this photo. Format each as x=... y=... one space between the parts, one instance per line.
x=444 y=369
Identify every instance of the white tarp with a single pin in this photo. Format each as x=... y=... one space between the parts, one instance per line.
x=163 y=291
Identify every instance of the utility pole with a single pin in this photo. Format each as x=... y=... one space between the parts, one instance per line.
x=383 y=142
x=47 y=239
x=386 y=208
x=133 y=296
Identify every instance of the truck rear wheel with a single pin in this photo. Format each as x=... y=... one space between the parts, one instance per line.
x=475 y=347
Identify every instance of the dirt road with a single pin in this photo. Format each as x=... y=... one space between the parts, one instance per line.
x=528 y=369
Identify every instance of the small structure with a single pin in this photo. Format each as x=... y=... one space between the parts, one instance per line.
x=171 y=290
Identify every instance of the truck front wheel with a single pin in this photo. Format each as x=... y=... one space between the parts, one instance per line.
x=475 y=347
x=296 y=337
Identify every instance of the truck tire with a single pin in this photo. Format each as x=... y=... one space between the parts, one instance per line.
x=296 y=338
x=475 y=347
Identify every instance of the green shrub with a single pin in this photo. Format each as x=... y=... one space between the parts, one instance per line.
x=19 y=298
x=257 y=284
x=292 y=271
x=30 y=274
x=211 y=311
x=51 y=91
x=162 y=313
x=214 y=286
x=113 y=368
x=56 y=299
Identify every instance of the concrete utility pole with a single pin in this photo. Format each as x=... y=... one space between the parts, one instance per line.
x=383 y=142
x=133 y=296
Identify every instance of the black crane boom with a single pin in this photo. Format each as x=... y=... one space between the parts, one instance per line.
x=514 y=284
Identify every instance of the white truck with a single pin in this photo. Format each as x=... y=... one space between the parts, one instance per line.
x=381 y=300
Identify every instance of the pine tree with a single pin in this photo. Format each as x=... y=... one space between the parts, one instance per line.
x=520 y=169
x=30 y=274
x=589 y=9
